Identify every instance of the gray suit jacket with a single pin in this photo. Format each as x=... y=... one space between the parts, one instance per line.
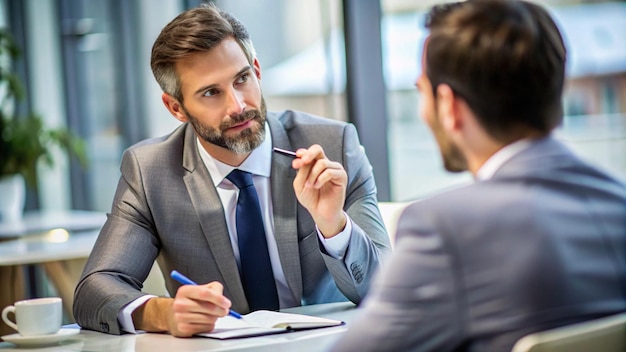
x=540 y=245
x=166 y=208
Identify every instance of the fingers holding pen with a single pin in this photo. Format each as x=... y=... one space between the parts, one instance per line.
x=206 y=298
x=196 y=308
x=315 y=169
x=305 y=157
x=320 y=187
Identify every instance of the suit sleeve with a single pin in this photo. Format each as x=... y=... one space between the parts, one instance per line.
x=121 y=258
x=413 y=304
x=369 y=241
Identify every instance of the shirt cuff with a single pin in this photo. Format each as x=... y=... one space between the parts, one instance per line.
x=336 y=246
x=124 y=316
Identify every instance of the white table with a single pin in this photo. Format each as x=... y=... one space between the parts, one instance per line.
x=34 y=222
x=48 y=246
x=301 y=341
x=49 y=249
x=48 y=238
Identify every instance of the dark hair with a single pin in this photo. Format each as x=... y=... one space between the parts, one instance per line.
x=197 y=30
x=505 y=58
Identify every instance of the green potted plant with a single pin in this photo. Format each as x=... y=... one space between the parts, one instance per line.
x=25 y=141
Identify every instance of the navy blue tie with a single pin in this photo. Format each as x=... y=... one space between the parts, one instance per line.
x=256 y=268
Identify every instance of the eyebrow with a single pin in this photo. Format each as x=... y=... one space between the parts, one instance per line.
x=211 y=86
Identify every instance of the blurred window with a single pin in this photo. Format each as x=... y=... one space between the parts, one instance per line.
x=99 y=57
x=113 y=100
x=594 y=100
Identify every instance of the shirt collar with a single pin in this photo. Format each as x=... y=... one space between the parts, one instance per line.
x=495 y=162
x=259 y=162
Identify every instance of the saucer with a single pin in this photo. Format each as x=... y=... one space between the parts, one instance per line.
x=36 y=340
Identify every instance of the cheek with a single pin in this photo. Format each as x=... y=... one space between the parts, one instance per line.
x=207 y=115
x=253 y=96
x=423 y=112
x=426 y=109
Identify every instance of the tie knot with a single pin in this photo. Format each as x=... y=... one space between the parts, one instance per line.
x=241 y=179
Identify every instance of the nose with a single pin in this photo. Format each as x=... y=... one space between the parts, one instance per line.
x=235 y=103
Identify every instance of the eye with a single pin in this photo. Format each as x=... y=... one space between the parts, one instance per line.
x=243 y=78
x=210 y=92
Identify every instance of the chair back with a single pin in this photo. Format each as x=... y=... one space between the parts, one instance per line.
x=606 y=334
x=390 y=212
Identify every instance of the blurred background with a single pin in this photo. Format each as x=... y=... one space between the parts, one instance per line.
x=85 y=65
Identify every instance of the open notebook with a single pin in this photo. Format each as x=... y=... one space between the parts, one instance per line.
x=265 y=322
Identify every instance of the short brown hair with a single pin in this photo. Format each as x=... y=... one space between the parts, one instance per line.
x=505 y=58
x=197 y=30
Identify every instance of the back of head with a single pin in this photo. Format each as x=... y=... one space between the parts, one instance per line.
x=197 y=30
x=505 y=58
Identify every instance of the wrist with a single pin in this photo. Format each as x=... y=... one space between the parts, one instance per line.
x=331 y=228
x=153 y=316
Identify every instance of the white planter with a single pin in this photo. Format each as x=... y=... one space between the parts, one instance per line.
x=12 y=198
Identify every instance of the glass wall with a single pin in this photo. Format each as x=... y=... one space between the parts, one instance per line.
x=111 y=96
x=114 y=100
x=94 y=106
x=88 y=68
x=594 y=101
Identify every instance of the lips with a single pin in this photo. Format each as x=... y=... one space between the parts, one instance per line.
x=242 y=125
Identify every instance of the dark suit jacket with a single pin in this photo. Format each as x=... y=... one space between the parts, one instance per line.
x=166 y=208
x=540 y=245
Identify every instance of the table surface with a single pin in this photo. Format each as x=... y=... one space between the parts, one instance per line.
x=53 y=245
x=300 y=341
x=36 y=222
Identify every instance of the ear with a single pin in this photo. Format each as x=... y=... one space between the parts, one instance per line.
x=257 y=68
x=174 y=107
x=447 y=108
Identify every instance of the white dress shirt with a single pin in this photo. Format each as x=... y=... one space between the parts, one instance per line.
x=495 y=162
x=259 y=164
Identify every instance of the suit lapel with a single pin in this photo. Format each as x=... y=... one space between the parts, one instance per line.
x=210 y=212
x=285 y=209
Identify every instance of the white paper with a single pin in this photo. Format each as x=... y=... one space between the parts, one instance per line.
x=264 y=322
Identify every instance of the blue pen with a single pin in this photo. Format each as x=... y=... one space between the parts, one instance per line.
x=186 y=281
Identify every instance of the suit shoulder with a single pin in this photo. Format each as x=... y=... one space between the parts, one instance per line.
x=156 y=144
x=458 y=201
x=155 y=153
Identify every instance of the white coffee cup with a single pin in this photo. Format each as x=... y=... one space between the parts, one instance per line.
x=39 y=316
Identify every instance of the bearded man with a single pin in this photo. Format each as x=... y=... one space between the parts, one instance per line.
x=256 y=229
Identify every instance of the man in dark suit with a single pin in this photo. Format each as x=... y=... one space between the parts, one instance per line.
x=539 y=240
x=176 y=202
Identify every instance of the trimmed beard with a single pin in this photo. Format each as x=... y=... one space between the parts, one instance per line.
x=453 y=158
x=246 y=141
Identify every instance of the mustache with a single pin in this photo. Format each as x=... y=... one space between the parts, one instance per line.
x=237 y=119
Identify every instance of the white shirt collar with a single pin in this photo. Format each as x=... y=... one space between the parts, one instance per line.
x=259 y=162
x=495 y=162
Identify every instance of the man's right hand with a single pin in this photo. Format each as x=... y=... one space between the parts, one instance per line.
x=194 y=310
